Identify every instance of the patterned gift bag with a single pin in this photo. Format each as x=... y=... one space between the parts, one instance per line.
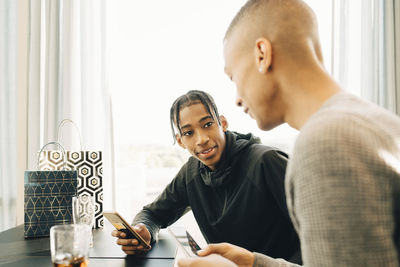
x=88 y=164
x=48 y=198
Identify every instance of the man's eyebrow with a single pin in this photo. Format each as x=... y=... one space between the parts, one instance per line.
x=185 y=126
x=206 y=118
x=202 y=119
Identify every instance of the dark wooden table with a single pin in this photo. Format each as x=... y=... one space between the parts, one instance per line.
x=17 y=251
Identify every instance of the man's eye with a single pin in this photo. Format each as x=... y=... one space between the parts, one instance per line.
x=208 y=124
x=188 y=133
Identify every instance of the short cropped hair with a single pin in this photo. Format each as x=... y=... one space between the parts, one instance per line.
x=188 y=99
x=244 y=10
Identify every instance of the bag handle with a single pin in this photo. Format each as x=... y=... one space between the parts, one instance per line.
x=63 y=151
x=62 y=123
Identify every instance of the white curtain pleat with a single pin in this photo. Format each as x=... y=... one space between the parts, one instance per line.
x=346 y=40
x=370 y=62
x=8 y=100
x=396 y=13
x=366 y=47
x=391 y=55
x=340 y=46
x=35 y=81
x=51 y=91
x=68 y=79
x=373 y=86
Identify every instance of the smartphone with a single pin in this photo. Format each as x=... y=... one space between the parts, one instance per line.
x=185 y=241
x=121 y=225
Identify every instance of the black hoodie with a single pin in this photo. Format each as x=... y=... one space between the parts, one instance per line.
x=242 y=202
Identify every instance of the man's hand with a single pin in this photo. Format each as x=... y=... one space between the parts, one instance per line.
x=212 y=260
x=131 y=246
x=240 y=256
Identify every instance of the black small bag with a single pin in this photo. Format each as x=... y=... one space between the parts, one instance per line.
x=48 y=198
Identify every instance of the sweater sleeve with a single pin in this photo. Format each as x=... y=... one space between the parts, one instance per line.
x=261 y=260
x=340 y=197
x=168 y=207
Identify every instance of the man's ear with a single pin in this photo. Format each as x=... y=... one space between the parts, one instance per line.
x=263 y=55
x=224 y=122
x=179 y=140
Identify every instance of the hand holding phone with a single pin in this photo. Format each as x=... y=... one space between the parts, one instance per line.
x=185 y=241
x=121 y=225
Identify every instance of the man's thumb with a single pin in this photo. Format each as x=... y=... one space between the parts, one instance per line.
x=138 y=228
x=205 y=251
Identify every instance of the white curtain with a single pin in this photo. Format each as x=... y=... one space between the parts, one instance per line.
x=366 y=49
x=340 y=41
x=8 y=187
x=381 y=47
x=67 y=80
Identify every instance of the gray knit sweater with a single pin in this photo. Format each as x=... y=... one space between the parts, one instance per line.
x=343 y=186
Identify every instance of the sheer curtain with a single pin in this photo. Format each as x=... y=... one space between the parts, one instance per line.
x=67 y=79
x=366 y=49
x=8 y=187
x=381 y=47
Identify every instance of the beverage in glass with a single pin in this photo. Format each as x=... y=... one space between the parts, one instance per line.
x=69 y=245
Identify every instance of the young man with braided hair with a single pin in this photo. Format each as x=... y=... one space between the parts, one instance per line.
x=233 y=184
x=343 y=177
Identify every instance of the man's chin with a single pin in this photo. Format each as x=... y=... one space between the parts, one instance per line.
x=267 y=126
x=209 y=162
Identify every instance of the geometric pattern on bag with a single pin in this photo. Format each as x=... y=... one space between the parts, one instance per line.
x=47 y=200
x=89 y=165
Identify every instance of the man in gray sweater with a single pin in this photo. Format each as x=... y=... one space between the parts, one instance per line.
x=343 y=178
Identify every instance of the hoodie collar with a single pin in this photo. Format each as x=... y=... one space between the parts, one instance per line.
x=235 y=143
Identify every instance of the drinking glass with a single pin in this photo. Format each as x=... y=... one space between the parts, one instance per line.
x=83 y=210
x=69 y=245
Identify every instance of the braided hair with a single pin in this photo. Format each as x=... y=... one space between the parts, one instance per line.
x=188 y=99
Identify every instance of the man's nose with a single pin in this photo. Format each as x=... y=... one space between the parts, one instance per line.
x=202 y=138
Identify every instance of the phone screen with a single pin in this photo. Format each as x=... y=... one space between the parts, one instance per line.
x=185 y=241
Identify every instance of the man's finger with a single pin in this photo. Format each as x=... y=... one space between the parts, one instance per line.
x=213 y=248
x=117 y=233
x=139 y=228
x=126 y=242
x=130 y=252
x=129 y=248
x=207 y=250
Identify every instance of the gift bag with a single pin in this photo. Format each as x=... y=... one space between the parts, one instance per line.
x=88 y=164
x=48 y=197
